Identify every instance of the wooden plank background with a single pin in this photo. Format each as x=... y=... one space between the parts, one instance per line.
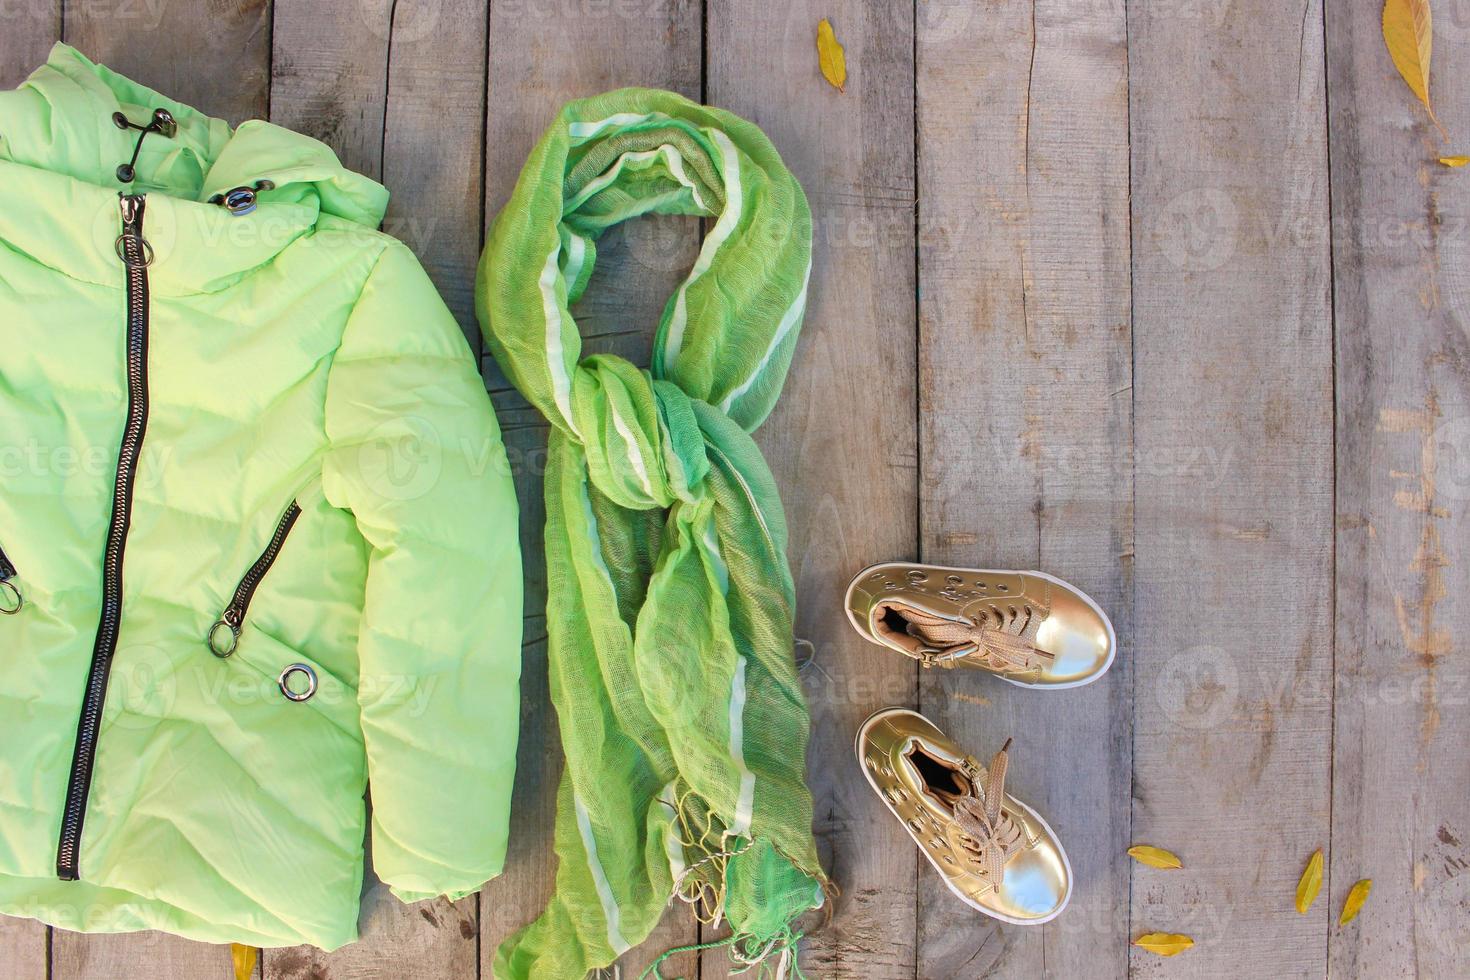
x=1163 y=297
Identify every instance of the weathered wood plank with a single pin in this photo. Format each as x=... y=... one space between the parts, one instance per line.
x=215 y=57
x=434 y=144
x=341 y=72
x=135 y=954
x=541 y=55
x=23 y=945
x=329 y=75
x=842 y=441
x=1026 y=427
x=217 y=60
x=424 y=941
x=1233 y=450
x=27 y=31
x=1400 y=809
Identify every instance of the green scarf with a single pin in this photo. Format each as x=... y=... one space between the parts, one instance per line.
x=670 y=601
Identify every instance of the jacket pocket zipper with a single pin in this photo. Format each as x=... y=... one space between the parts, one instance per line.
x=224 y=636
x=11 y=599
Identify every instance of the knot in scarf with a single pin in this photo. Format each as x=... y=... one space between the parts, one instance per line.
x=670 y=602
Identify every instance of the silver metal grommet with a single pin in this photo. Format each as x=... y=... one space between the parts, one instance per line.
x=289 y=674
x=222 y=646
x=11 y=600
x=239 y=201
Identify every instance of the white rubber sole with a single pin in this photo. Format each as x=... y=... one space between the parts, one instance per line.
x=857 y=745
x=1067 y=685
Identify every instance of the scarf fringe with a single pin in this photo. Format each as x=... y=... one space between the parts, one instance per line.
x=702 y=886
x=775 y=958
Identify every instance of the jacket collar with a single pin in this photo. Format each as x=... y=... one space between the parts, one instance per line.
x=59 y=153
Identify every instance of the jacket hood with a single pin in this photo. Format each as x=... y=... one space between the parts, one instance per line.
x=61 y=120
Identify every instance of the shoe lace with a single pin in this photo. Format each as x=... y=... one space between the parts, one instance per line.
x=988 y=833
x=992 y=645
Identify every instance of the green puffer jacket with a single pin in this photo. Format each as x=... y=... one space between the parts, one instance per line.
x=260 y=425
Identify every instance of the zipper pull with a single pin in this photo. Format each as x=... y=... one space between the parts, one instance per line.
x=131 y=247
x=11 y=599
x=224 y=636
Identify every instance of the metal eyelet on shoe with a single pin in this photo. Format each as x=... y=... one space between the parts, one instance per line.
x=285 y=682
x=11 y=600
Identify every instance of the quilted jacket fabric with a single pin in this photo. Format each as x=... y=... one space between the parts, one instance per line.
x=175 y=393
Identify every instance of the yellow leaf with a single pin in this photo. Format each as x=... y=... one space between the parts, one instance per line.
x=1310 y=884
x=1355 y=899
x=1154 y=857
x=244 y=960
x=1408 y=30
x=1454 y=161
x=830 y=56
x=1164 y=943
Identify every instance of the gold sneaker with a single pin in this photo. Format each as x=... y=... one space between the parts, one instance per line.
x=992 y=850
x=1028 y=627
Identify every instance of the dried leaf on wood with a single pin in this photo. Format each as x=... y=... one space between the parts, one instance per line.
x=1154 y=857
x=1164 y=943
x=1310 y=883
x=830 y=56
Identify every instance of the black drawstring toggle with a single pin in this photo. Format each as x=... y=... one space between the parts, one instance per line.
x=162 y=123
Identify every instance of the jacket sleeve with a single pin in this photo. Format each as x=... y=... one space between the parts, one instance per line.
x=416 y=456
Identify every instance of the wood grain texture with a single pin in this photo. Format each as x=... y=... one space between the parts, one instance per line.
x=1026 y=428
x=23 y=949
x=135 y=954
x=434 y=144
x=329 y=74
x=27 y=31
x=540 y=56
x=215 y=56
x=1401 y=245
x=841 y=441
x=1233 y=454
x=424 y=941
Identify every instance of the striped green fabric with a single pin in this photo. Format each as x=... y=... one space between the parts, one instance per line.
x=670 y=601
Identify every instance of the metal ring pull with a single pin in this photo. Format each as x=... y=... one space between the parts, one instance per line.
x=120 y=246
x=285 y=682
x=11 y=600
x=216 y=645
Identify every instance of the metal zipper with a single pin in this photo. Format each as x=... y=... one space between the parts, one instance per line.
x=136 y=255
x=11 y=599
x=233 y=618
